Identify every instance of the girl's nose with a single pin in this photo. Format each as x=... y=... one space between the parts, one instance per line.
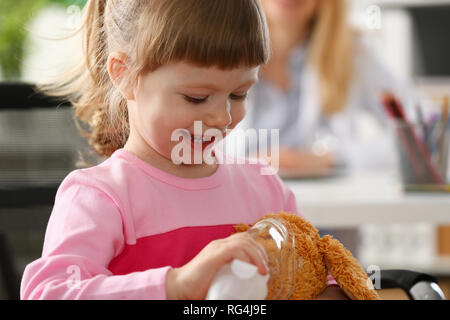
x=219 y=116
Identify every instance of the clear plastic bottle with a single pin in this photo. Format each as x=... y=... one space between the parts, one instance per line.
x=241 y=281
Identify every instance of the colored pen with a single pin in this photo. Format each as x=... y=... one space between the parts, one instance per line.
x=442 y=136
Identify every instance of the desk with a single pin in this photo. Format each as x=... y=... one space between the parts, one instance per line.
x=375 y=198
x=369 y=198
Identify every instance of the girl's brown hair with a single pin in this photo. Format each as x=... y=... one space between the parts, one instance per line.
x=221 y=33
x=331 y=53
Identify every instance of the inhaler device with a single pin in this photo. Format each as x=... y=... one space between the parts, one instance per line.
x=240 y=280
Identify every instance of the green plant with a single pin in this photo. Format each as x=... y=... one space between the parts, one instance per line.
x=14 y=16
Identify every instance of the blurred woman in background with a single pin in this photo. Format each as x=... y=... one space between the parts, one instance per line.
x=321 y=89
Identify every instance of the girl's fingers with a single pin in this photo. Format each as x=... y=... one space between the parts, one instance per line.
x=260 y=256
x=250 y=251
x=262 y=251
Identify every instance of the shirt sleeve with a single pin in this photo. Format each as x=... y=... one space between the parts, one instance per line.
x=84 y=234
x=289 y=200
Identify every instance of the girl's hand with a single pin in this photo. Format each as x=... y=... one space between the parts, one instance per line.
x=192 y=281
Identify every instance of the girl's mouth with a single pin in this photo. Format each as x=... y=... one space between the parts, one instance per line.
x=196 y=142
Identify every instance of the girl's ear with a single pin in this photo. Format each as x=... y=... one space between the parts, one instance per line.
x=117 y=64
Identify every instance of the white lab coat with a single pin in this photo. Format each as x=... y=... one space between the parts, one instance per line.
x=361 y=135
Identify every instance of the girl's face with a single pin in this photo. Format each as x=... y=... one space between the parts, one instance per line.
x=177 y=94
x=296 y=13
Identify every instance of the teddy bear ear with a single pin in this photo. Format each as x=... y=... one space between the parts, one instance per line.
x=346 y=270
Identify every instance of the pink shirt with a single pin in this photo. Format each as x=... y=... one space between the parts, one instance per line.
x=117 y=228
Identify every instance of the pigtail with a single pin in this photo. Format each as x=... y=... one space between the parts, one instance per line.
x=100 y=103
x=100 y=111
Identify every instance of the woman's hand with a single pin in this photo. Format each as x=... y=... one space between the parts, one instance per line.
x=295 y=159
x=192 y=281
x=302 y=163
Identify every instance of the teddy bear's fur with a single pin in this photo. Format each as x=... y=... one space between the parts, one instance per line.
x=315 y=257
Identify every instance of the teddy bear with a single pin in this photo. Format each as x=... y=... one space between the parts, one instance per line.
x=302 y=254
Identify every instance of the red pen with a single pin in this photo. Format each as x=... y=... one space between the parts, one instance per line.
x=416 y=151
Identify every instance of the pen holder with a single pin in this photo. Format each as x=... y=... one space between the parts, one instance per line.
x=423 y=155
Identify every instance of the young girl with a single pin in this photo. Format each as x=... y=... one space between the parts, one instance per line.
x=139 y=226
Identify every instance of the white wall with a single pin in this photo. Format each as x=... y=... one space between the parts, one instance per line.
x=395 y=36
x=392 y=37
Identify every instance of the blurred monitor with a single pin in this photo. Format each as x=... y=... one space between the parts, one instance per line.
x=431 y=30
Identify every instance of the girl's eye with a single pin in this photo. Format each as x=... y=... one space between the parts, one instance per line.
x=239 y=97
x=195 y=100
x=201 y=100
